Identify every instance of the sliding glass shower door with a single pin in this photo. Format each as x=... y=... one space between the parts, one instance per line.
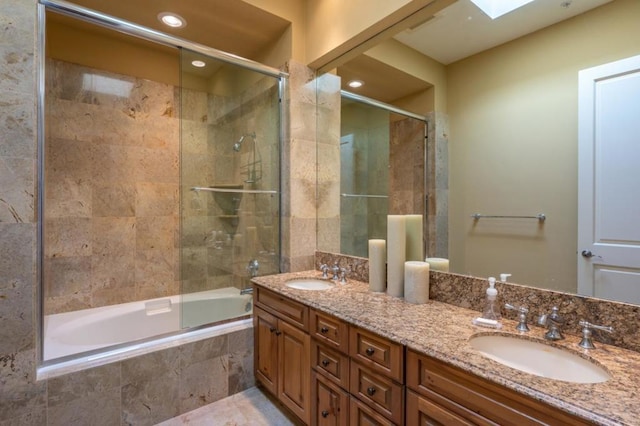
x=230 y=185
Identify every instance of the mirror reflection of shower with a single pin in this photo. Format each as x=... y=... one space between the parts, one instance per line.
x=252 y=169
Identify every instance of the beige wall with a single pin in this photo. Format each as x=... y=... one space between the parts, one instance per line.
x=513 y=145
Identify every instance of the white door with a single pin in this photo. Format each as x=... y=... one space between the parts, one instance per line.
x=609 y=181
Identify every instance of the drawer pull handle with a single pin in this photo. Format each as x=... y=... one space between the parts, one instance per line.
x=371 y=391
x=324 y=330
x=325 y=413
x=325 y=362
x=370 y=351
x=278 y=332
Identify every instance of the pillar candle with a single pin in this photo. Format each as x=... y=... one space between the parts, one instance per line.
x=438 y=264
x=377 y=265
x=396 y=254
x=416 y=282
x=414 y=237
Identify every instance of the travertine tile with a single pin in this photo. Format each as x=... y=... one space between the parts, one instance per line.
x=150 y=400
x=98 y=381
x=112 y=271
x=20 y=393
x=67 y=275
x=155 y=232
x=203 y=382
x=113 y=235
x=67 y=196
x=156 y=199
x=154 y=266
x=18 y=124
x=203 y=350
x=113 y=199
x=68 y=237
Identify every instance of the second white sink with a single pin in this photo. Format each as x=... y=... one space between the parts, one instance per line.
x=309 y=284
x=539 y=359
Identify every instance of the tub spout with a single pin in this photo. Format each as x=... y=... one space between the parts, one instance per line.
x=248 y=290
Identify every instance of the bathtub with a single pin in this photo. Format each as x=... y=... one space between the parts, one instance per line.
x=86 y=330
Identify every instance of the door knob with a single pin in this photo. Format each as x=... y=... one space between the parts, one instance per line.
x=587 y=254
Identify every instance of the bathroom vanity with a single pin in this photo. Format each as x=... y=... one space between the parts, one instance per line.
x=345 y=355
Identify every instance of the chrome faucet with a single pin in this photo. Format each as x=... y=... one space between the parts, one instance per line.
x=253 y=267
x=553 y=321
x=336 y=270
x=248 y=290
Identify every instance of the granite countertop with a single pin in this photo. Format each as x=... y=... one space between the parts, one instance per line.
x=442 y=331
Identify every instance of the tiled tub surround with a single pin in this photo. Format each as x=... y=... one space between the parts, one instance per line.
x=470 y=292
x=442 y=331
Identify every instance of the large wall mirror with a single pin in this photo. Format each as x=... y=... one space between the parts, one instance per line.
x=504 y=95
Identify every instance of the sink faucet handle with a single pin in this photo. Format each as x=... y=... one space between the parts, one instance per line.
x=552 y=320
x=586 y=341
x=325 y=269
x=522 y=316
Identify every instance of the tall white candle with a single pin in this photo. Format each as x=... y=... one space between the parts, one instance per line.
x=377 y=265
x=396 y=254
x=438 y=264
x=414 y=237
x=416 y=282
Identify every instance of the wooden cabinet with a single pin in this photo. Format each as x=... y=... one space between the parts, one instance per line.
x=282 y=351
x=361 y=414
x=448 y=395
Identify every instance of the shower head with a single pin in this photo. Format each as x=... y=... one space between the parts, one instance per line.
x=238 y=144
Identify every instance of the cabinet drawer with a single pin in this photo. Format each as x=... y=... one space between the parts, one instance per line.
x=331 y=363
x=361 y=415
x=437 y=410
x=331 y=404
x=377 y=353
x=488 y=400
x=283 y=307
x=330 y=330
x=378 y=391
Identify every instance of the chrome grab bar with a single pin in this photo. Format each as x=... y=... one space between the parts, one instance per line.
x=540 y=216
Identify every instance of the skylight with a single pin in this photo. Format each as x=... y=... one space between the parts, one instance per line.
x=496 y=8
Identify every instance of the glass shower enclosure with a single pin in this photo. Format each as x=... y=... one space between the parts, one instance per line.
x=160 y=184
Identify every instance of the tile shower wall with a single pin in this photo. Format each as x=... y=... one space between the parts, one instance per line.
x=142 y=390
x=111 y=194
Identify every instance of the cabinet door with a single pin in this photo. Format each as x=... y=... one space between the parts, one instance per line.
x=266 y=349
x=294 y=363
x=330 y=405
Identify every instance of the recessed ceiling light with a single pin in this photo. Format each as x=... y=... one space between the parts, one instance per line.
x=355 y=84
x=199 y=64
x=171 y=19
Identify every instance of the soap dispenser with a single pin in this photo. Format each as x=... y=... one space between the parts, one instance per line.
x=492 y=308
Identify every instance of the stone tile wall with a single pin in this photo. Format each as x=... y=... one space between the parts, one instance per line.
x=111 y=193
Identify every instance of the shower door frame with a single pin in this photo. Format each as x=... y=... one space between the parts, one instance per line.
x=135 y=30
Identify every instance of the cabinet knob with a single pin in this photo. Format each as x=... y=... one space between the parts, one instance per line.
x=371 y=391
x=272 y=329
x=278 y=332
x=325 y=362
x=324 y=330
x=370 y=351
x=325 y=413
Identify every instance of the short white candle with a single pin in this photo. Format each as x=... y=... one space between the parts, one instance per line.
x=414 y=237
x=416 y=282
x=396 y=254
x=438 y=264
x=377 y=265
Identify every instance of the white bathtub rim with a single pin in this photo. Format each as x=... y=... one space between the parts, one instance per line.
x=60 y=368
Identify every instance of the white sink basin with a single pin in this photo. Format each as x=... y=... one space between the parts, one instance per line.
x=539 y=358
x=309 y=284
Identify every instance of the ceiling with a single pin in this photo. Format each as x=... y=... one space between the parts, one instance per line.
x=231 y=26
x=457 y=32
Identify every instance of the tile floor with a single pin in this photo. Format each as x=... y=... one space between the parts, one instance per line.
x=249 y=408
